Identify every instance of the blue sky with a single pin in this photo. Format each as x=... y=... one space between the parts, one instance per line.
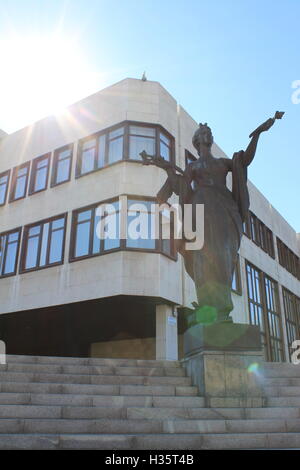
x=230 y=63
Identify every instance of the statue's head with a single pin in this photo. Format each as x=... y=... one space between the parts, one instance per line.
x=203 y=136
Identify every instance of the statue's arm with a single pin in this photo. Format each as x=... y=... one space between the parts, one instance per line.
x=249 y=153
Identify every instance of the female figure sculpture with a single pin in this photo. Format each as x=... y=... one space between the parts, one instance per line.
x=204 y=182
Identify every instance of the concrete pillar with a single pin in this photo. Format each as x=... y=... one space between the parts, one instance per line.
x=166 y=333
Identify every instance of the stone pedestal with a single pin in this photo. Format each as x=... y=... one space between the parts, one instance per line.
x=224 y=360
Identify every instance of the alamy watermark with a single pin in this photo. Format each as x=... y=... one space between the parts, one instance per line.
x=295 y=357
x=296 y=94
x=150 y=221
x=2 y=352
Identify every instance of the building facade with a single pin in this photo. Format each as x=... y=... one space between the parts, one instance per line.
x=63 y=291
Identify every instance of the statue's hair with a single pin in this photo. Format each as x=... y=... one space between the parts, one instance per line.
x=199 y=132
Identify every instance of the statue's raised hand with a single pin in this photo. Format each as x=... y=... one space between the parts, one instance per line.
x=267 y=124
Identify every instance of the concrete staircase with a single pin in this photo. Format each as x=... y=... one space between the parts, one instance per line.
x=71 y=403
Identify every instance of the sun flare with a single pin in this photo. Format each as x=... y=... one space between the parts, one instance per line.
x=41 y=75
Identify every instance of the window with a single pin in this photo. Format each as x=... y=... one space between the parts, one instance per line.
x=4 y=180
x=62 y=165
x=292 y=317
x=141 y=138
x=85 y=237
x=115 y=145
x=19 y=182
x=264 y=311
x=122 y=142
x=43 y=243
x=236 y=279
x=288 y=259
x=9 y=250
x=259 y=233
x=165 y=146
x=189 y=157
x=254 y=229
x=39 y=174
x=88 y=225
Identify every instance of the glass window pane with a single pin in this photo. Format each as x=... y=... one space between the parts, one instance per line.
x=58 y=223
x=2 y=193
x=45 y=236
x=12 y=237
x=138 y=144
x=3 y=188
x=88 y=156
x=82 y=239
x=116 y=133
x=164 y=151
x=56 y=246
x=165 y=139
x=139 y=223
x=85 y=215
x=140 y=130
x=115 y=151
x=32 y=253
x=20 y=187
x=40 y=179
x=34 y=230
x=63 y=171
x=42 y=163
x=113 y=241
x=10 y=261
x=64 y=154
x=22 y=171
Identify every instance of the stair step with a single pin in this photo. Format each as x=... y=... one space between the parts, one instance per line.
x=283 y=401
x=59 y=411
x=120 y=426
x=151 y=441
x=85 y=378
x=160 y=390
x=94 y=374
x=282 y=371
x=282 y=381
x=288 y=391
x=89 y=361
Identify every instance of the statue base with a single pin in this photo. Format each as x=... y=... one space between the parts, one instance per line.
x=225 y=361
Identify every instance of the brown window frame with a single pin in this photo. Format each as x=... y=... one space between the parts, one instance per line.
x=22 y=269
x=125 y=154
x=288 y=259
x=189 y=157
x=56 y=161
x=260 y=234
x=34 y=172
x=158 y=242
x=291 y=303
x=15 y=177
x=7 y=233
x=267 y=339
x=2 y=175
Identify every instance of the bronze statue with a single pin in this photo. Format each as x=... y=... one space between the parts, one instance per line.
x=204 y=182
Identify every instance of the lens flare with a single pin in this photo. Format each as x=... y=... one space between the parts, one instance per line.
x=253 y=368
x=206 y=315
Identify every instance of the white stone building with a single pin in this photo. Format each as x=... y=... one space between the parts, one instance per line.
x=63 y=292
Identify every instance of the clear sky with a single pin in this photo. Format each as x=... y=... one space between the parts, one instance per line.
x=230 y=63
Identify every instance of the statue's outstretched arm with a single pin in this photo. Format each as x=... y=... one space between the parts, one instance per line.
x=249 y=153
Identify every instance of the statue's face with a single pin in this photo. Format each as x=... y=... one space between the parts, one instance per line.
x=203 y=136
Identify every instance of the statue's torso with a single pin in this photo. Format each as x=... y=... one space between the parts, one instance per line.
x=211 y=172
